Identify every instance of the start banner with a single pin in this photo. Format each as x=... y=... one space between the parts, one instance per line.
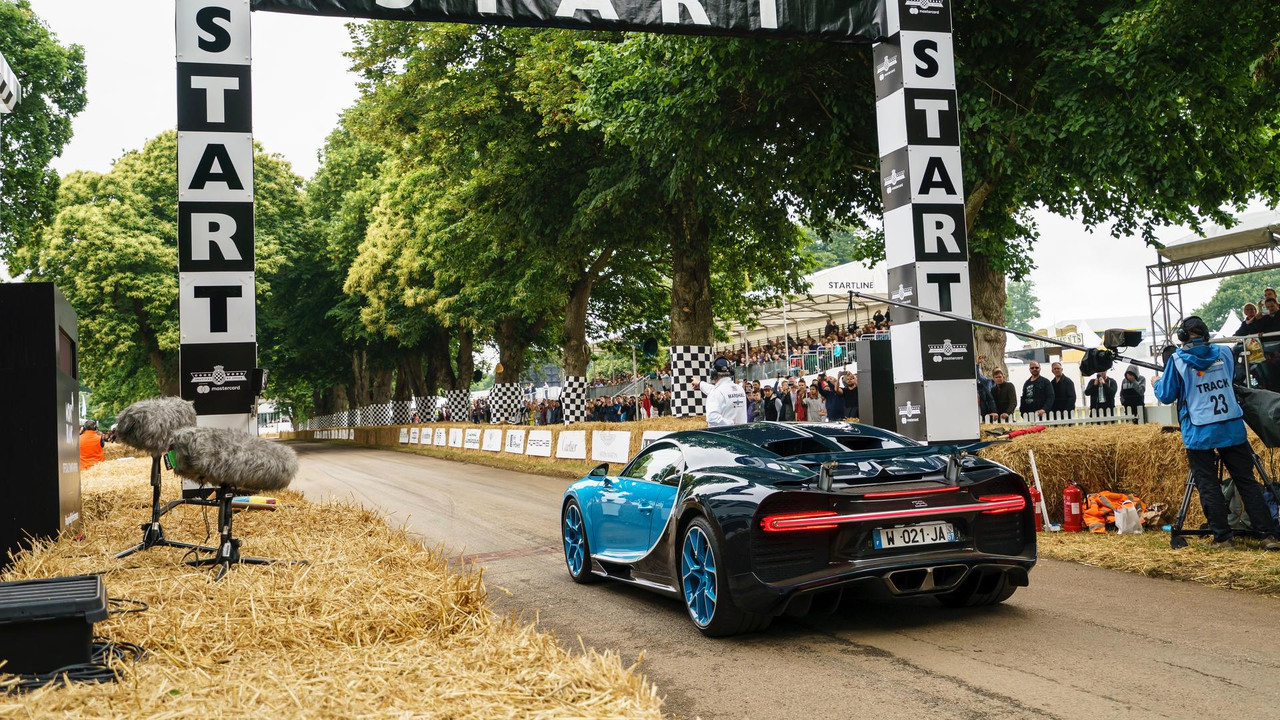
x=850 y=21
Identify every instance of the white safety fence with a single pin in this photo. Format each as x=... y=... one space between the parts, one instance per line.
x=1078 y=416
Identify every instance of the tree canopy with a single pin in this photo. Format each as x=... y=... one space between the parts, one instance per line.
x=53 y=80
x=1022 y=306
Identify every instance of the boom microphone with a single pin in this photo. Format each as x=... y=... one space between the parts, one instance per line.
x=218 y=456
x=150 y=424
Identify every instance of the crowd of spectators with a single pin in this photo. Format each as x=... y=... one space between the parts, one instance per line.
x=809 y=352
x=999 y=401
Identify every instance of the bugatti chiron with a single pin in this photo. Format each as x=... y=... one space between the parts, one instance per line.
x=749 y=522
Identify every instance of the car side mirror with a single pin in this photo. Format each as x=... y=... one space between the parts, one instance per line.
x=601 y=470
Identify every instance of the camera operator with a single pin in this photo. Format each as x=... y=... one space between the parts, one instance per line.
x=1198 y=377
x=726 y=403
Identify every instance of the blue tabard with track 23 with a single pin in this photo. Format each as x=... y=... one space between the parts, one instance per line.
x=1210 y=398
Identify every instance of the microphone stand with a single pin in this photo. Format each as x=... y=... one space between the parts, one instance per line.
x=152 y=532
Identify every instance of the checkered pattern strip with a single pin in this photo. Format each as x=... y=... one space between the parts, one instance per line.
x=504 y=403
x=401 y=412
x=459 y=405
x=573 y=399
x=688 y=362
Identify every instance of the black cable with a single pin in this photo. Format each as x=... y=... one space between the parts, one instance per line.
x=114 y=606
x=208 y=533
x=99 y=669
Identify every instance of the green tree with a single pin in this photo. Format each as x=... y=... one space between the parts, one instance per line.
x=833 y=249
x=53 y=80
x=1233 y=293
x=1021 y=305
x=112 y=250
x=1142 y=114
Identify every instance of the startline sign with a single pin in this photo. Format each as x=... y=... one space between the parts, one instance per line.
x=831 y=20
x=10 y=90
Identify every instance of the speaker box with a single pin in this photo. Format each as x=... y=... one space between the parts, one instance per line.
x=875 y=384
x=40 y=476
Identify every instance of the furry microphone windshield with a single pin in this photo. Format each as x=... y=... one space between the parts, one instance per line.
x=217 y=456
x=150 y=424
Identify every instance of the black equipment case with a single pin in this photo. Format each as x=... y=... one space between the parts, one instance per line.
x=48 y=624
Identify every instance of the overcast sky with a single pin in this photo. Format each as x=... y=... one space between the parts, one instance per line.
x=301 y=84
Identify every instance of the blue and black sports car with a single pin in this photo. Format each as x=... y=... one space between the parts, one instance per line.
x=748 y=522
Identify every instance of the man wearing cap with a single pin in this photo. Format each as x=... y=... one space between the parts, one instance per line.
x=1198 y=377
x=726 y=403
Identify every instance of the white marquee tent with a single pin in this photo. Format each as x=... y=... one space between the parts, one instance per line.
x=827 y=297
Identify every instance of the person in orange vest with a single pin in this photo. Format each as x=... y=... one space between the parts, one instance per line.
x=91 y=444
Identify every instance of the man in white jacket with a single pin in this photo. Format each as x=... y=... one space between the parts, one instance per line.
x=726 y=403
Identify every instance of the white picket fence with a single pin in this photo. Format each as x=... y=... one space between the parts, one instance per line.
x=1077 y=416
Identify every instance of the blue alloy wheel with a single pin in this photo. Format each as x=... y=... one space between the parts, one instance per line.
x=698 y=575
x=577 y=551
x=574 y=545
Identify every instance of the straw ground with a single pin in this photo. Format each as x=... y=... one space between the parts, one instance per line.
x=375 y=626
x=1246 y=567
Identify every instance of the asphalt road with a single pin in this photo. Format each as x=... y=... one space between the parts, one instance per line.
x=1079 y=643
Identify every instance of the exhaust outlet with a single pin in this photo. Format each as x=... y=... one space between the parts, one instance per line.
x=923 y=580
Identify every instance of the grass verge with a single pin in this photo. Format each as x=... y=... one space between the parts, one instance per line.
x=1246 y=567
x=375 y=626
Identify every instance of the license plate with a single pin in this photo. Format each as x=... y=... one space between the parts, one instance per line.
x=908 y=535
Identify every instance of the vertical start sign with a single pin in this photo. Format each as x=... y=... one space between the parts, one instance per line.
x=217 y=302
x=926 y=243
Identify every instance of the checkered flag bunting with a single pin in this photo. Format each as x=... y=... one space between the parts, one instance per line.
x=688 y=362
x=504 y=404
x=459 y=405
x=573 y=399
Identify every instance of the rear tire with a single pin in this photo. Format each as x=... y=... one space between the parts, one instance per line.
x=704 y=587
x=979 y=590
x=577 y=551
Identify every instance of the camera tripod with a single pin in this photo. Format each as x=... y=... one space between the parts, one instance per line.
x=1178 y=535
x=152 y=532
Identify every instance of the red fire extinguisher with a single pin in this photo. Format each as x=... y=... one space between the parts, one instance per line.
x=1072 y=516
x=1035 y=503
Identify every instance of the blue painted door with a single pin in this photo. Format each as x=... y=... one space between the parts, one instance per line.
x=635 y=505
x=623 y=531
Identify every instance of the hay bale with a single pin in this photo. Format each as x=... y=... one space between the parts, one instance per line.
x=375 y=626
x=1143 y=460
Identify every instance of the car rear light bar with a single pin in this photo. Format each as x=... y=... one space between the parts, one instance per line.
x=828 y=520
x=801 y=521
x=1005 y=503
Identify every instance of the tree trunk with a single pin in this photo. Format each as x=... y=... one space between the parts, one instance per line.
x=988 y=305
x=692 y=322
x=439 y=373
x=464 y=362
x=577 y=353
x=383 y=379
x=513 y=345
x=359 y=392
x=987 y=285
x=409 y=379
x=167 y=383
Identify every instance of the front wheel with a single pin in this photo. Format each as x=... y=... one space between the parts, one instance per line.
x=577 y=552
x=702 y=584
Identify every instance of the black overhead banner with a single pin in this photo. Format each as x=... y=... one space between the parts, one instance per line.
x=854 y=21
